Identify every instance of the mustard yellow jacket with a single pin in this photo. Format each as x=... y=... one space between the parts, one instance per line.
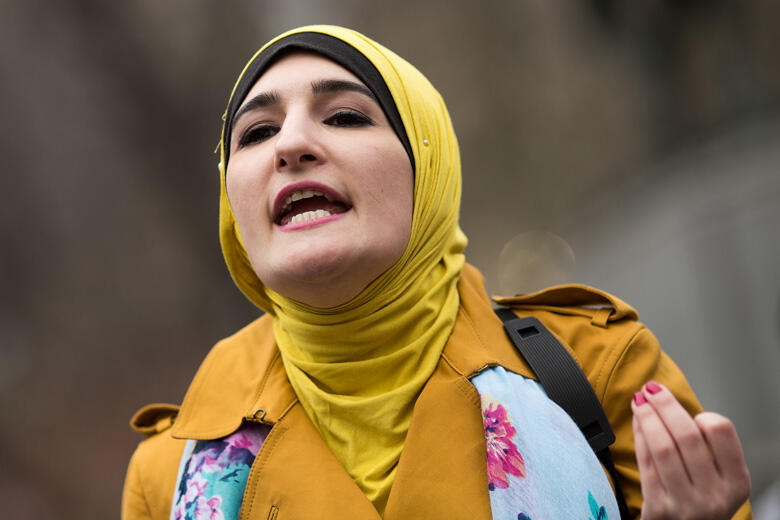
x=295 y=475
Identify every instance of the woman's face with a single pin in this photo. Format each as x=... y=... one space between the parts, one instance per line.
x=320 y=185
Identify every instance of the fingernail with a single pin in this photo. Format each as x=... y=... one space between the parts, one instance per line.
x=653 y=387
x=639 y=399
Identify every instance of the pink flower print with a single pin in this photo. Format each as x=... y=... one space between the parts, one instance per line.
x=208 y=459
x=248 y=439
x=210 y=463
x=502 y=454
x=196 y=486
x=209 y=509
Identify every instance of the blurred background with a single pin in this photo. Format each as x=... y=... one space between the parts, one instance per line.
x=634 y=146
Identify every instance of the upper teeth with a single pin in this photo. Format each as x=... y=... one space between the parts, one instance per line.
x=302 y=194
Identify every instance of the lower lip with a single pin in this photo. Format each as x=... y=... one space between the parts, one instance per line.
x=312 y=223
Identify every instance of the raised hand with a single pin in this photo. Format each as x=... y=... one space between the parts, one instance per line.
x=689 y=467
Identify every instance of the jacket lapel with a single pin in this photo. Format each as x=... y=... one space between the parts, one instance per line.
x=442 y=472
x=297 y=476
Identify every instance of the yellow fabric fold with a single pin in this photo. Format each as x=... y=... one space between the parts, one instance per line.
x=358 y=368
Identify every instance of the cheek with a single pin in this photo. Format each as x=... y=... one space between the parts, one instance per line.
x=405 y=218
x=395 y=194
x=390 y=172
x=244 y=193
x=236 y=193
x=402 y=186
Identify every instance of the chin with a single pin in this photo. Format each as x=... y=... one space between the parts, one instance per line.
x=326 y=268
x=323 y=277
x=308 y=268
x=313 y=267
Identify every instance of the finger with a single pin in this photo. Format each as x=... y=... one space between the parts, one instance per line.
x=687 y=436
x=662 y=448
x=648 y=474
x=720 y=434
x=653 y=492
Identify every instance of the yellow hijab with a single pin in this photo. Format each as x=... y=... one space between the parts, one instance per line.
x=358 y=368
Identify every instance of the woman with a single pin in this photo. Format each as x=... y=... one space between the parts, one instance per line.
x=380 y=383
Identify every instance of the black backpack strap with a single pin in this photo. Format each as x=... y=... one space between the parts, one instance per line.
x=566 y=384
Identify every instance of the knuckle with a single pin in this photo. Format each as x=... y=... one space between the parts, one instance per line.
x=688 y=438
x=714 y=423
x=663 y=399
x=686 y=512
x=658 y=508
x=650 y=510
x=722 y=426
x=645 y=459
x=665 y=451
x=718 y=507
x=697 y=507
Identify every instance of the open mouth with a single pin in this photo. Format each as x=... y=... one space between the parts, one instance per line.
x=298 y=204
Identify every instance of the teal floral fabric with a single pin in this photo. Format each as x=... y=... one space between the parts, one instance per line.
x=539 y=465
x=213 y=475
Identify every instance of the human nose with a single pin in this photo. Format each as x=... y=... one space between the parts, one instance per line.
x=296 y=145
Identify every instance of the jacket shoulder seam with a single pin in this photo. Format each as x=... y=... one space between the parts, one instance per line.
x=616 y=352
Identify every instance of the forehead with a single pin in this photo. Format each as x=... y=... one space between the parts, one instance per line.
x=298 y=70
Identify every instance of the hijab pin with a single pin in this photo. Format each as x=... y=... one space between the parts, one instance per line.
x=425 y=142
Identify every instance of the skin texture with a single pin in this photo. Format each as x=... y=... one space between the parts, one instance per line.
x=689 y=467
x=340 y=139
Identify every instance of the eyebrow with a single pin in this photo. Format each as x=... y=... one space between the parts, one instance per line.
x=323 y=86
x=327 y=86
x=259 y=101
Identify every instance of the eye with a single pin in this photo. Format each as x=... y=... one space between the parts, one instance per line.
x=257 y=134
x=349 y=119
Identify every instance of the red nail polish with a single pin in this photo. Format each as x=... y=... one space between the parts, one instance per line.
x=639 y=399
x=653 y=387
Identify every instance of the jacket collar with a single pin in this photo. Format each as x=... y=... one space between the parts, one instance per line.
x=243 y=377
